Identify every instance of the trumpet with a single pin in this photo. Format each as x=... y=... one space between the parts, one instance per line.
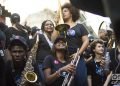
x=69 y=77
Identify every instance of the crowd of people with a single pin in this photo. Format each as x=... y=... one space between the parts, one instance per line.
x=29 y=58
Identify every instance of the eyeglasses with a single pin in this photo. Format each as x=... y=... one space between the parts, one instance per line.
x=48 y=24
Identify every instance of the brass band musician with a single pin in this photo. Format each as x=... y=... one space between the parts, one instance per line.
x=77 y=37
x=14 y=68
x=56 y=66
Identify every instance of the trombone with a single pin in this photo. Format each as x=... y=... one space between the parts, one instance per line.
x=69 y=77
x=61 y=26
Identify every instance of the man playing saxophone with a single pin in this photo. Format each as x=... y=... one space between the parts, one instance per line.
x=20 y=64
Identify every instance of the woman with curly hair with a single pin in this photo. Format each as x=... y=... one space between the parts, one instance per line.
x=77 y=37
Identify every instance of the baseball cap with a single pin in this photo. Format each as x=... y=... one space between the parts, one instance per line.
x=59 y=38
x=18 y=40
x=15 y=18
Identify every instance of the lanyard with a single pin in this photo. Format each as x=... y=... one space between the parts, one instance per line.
x=49 y=42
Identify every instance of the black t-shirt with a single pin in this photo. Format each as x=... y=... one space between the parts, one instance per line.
x=54 y=64
x=97 y=73
x=74 y=37
x=43 y=49
x=12 y=31
x=74 y=40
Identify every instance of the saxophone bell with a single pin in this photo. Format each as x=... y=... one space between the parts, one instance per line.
x=31 y=77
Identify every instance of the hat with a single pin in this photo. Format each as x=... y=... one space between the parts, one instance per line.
x=59 y=38
x=18 y=40
x=15 y=18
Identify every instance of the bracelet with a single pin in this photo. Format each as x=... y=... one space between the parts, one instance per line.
x=59 y=72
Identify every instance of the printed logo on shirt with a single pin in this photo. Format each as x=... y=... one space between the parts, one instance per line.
x=71 y=32
x=56 y=62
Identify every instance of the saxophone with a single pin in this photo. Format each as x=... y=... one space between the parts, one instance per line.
x=28 y=76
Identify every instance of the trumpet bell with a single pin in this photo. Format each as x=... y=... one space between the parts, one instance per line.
x=62 y=27
x=31 y=77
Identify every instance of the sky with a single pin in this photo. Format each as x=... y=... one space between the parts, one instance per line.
x=27 y=7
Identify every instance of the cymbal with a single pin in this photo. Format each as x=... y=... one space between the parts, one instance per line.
x=62 y=27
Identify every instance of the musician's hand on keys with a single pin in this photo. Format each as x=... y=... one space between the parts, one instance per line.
x=73 y=56
x=70 y=68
